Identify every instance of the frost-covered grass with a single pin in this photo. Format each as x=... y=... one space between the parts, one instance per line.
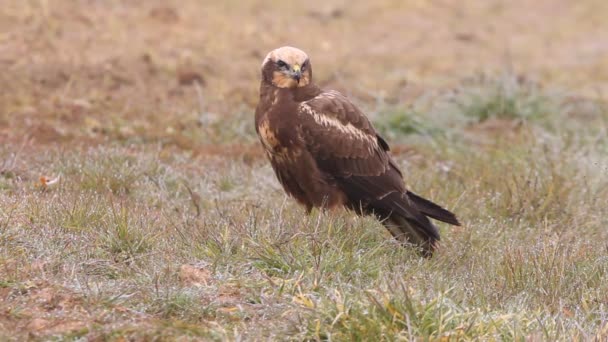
x=167 y=223
x=145 y=242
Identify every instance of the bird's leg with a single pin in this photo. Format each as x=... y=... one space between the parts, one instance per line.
x=308 y=209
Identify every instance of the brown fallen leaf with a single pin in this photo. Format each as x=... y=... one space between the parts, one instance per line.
x=37 y=324
x=194 y=276
x=48 y=181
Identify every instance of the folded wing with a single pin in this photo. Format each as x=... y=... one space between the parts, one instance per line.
x=347 y=148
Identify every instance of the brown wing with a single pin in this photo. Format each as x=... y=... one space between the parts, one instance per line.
x=341 y=138
x=347 y=148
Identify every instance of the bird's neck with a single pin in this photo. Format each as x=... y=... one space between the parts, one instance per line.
x=306 y=93
x=272 y=94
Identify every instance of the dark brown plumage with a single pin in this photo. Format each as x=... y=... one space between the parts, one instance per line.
x=327 y=154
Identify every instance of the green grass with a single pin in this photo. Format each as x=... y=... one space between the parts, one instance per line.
x=506 y=97
x=528 y=263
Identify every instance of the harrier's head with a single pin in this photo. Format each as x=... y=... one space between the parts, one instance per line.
x=287 y=67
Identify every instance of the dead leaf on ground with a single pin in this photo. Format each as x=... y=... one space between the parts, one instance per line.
x=45 y=181
x=229 y=295
x=37 y=324
x=194 y=276
x=65 y=327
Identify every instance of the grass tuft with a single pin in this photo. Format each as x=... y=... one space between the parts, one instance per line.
x=125 y=237
x=507 y=97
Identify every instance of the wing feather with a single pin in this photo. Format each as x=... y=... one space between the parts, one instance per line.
x=347 y=149
x=346 y=146
x=341 y=138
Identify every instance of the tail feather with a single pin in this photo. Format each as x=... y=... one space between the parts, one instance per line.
x=404 y=214
x=410 y=232
x=432 y=210
x=405 y=222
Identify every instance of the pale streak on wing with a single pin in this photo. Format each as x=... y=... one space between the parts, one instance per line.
x=332 y=122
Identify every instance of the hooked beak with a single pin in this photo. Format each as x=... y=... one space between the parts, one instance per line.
x=296 y=73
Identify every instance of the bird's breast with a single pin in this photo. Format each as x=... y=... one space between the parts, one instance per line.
x=280 y=142
x=269 y=136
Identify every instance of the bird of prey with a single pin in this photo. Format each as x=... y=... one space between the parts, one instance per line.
x=326 y=153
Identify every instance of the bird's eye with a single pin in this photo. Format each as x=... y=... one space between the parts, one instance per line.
x=281 y=64
x=304 y=65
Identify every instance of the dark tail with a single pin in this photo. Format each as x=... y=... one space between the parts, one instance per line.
x=404 y=214
x=409 y=231
x=408 y=222
x=432 y=210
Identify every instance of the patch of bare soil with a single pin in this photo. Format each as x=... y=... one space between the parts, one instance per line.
x=42 y=309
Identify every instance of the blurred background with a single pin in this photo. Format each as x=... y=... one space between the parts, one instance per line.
x=163 y=70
